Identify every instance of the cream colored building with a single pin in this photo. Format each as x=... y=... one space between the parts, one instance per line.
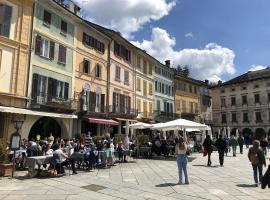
x=15 y=38
x=243 y=103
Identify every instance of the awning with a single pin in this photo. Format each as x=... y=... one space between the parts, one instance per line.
x=32 y=112
x=102 y=121
x=123 y=119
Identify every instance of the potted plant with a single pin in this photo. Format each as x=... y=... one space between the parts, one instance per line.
x=5 y=165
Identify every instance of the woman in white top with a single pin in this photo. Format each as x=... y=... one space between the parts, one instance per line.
x=180 y=151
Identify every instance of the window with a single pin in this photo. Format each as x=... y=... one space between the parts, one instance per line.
x=44 y=47
x=196 y=108
x=139 y=62
x=144 y=67
x=222 y=91
x=145 y=108
x=245 y=117
x=159 y=87
x=268 y=94
x=256 y=86
x=150 y=69
x=156 y=85
x=138 y=105
x=257 y=98
x=86 y=66
x=184 y=108
x=233 y=103
x=178 y=105
x=94 y=43
x=195 y=89
x=62 y=54
x=223 y=102
x=223 y=118
x=232 y=89
x=190 y=88
x=126 y=78
x=162 y=88
x=138 y=84
x=47 y=17
x=98 y=71
x=117 y=73
x=234 y=119
x=244 y=88
x=144 y=88
x=150 y=107
x=5 y=19
x=98 y=102
x=244 y=100
x=191 y=107
x=122 y=51
x=63 y=27
x=116 y=102
x=150 y=89
x=258 y=116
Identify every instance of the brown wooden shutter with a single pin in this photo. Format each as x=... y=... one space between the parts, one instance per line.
x=34 y=86
x=66 y=90
x=52 y=50
x=102 y=102
x=129 y=104
x=84 y=38
x=122 y=103
x=38 y=45
x=114 y=102
x=50 y=89
x=102 y=47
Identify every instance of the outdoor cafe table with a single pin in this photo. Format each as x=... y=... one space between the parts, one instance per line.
x=32 y=162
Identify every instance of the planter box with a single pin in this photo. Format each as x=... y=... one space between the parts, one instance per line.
x=5 y=169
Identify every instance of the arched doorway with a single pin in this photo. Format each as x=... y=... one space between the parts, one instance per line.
x=233 y=132
x=259 y=133
x=44 y=126
x=247 y=132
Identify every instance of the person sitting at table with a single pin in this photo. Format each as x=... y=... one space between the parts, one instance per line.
x=64 y=160
x=33 y=148
x=89 y=155
x=78 y=146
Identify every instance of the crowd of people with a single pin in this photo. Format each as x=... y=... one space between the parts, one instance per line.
x=223 y=145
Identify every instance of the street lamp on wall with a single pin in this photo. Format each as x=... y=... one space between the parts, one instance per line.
x=18 y=124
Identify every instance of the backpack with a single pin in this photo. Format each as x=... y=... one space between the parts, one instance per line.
x=254 y=158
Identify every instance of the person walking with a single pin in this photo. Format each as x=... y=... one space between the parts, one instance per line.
x=221 y=145
x=207 y=145
x=257 y=159
x=241 y=142
x=264 y=145
x=180 y=151
x=233 y=142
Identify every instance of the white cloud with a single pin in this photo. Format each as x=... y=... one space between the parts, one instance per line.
x=257 y=67
x=210 y=62
x=189 y=35
x=126 y=16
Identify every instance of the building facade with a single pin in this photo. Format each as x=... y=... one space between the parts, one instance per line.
x=144 y=86
x=51 y=74
x=205 y=116
x=243 y=103
x=91 y=78
x=187 y=97
x=15 y=37
x=164 y=109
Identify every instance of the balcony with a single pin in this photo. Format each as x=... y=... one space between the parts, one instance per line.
x=162 y=116
x=47 y=102
x=117 y=111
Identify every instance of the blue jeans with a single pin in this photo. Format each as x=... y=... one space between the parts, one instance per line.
x=182 y=166
x=234 y=150
x=256 y=169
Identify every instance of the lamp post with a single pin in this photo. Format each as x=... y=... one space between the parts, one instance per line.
x=15 y=141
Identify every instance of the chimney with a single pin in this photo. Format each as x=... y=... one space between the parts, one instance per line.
x=206 y=81
x=219 y=82
x=168 y=63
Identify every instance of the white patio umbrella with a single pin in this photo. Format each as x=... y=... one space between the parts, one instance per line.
x=180 y=124
x=139 y=125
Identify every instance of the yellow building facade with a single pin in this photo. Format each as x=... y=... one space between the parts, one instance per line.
x=187 y=97
x=15 y=37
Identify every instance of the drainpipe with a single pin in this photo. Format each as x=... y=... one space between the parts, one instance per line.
x=30 y=50
x=108 y=78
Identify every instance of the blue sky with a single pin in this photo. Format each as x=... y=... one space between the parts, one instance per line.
x=218 y=39
x=240 y=25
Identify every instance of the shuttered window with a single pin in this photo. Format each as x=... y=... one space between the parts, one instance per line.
x=150 y=89
x=62 y=54
x=122 y=51
x=5 y=19
x=86 y=66
x=44 y=47
x=138 y=84
x=145 y=108
x=150 y=107
x=138 y=105
x=47 y=17
x=98 y=71
x=63 y=27
x=117 y=73
x=126 y=78
x=144 y=88
x=93 y=42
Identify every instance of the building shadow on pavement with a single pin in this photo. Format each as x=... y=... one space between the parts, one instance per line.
x=246 y=185
x=213 y=166
x=166 y=185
